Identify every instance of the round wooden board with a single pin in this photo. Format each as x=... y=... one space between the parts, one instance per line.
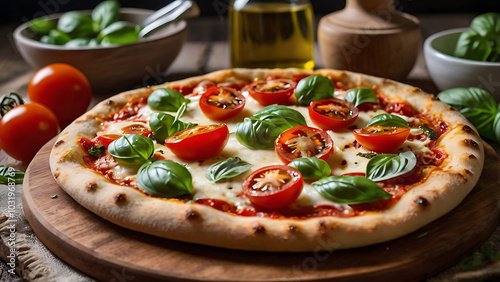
x=112 y=253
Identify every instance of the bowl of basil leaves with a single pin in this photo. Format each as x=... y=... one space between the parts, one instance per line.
x=103 y=43
x=467 y=57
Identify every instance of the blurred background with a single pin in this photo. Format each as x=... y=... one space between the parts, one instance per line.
x=23 y=10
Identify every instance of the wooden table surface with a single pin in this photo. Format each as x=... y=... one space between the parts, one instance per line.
x=206 y=50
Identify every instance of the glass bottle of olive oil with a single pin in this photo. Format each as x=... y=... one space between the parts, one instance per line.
x=271 y=34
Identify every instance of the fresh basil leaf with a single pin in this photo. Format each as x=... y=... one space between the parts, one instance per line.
x=165 y=179
x=496 y=127
x=387 y=166
x=487 y=25
x=472 y=46
x=429 y=132
x=367 y=155
x=358 y=96
x=388 y=120
x=42 y=25
x=313 y=88
x=132 y=149
x=261 y=130
x=162 y=125
x=350 y=189
x=105 y=13
x=476 y=104
x=311 y=168
x=167 y=100
x=77 y=25
x=226 y=169
x=119 y=33
x=56 y=37
x=10 y=174
x=97 y=151
x=77 y=42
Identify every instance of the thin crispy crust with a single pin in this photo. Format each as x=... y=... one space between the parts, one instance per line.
x=442 y=191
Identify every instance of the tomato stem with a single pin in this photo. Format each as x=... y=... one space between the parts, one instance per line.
x=9 y=101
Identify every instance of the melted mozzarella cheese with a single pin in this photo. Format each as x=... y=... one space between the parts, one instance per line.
x=344 y=160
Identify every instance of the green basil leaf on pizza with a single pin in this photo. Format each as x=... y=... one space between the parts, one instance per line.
x=388 y=120
x=311 y=168
x=313 y=88
x=358 y=96
x=132 y=149
x=387 y=166
x=261 y=130
x=166 y=179
x=163 y=125
x=431 y=133
x=167 y=100
x=350 y=189
x=227 y=169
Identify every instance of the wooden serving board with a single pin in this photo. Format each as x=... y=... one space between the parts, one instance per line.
x=112 y=253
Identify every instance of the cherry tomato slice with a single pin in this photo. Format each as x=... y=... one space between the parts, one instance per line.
x=333 y=113
x=199 y=142
x=221 y=103
x=269 y=92
x=275 y=186
x=303 y=142
x=25 y=129
x=381 y=138
x=63 y=89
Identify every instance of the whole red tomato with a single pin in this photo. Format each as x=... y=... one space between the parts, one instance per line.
x=25 y=129
x=63 y=89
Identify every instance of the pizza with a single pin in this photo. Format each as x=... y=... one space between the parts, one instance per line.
x=280 y=160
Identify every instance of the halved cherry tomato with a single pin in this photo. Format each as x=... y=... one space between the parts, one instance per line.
x=25 y=129
x=269 y=92
x=275 y=186
x=63 y=89
x=199 y=142
x=221 y=103
x=333 y=113
x=302 y=142
x=381 y=138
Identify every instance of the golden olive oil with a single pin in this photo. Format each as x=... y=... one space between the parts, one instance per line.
x=272 y=35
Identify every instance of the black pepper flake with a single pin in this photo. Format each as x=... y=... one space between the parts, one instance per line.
x=54 y=196
x=258 y=228
x=120 y=197
x=58 y=143
x=343 y=162
x=421 y=201
x=91 y=186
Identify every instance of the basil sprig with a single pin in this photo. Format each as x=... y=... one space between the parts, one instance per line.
x=313 y=88
x=261 y=130
x=387 y=166
x=163 y=125
x=10 y=174
x=132 y=149
x=311 y=168
x=477 y=105
x=482 y=41
x=350 y=189
x=388 y=120
x=227 y=169
x=358 y=96
x=165 y=179
x=167 y=100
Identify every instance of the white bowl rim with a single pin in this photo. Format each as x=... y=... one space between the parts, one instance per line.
x=430 y=39
x=180 y=26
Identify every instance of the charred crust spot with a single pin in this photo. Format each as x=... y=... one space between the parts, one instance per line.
x=110 y=102
x=292 y=228
x=468 y=172
x=192 y=214
x=57 y=174
x=472 y=157
x=322 y=226
x=58 y=143
x=422 y=202
x=120 y=198
x=91 y=186
x=258 y=228
x=470 y=143
x=468 y=129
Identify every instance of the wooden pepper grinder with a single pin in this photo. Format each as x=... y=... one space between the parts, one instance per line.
x=370 y=36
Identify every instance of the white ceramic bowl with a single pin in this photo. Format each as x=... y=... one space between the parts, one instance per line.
x=448 y=71
x=110 y=68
